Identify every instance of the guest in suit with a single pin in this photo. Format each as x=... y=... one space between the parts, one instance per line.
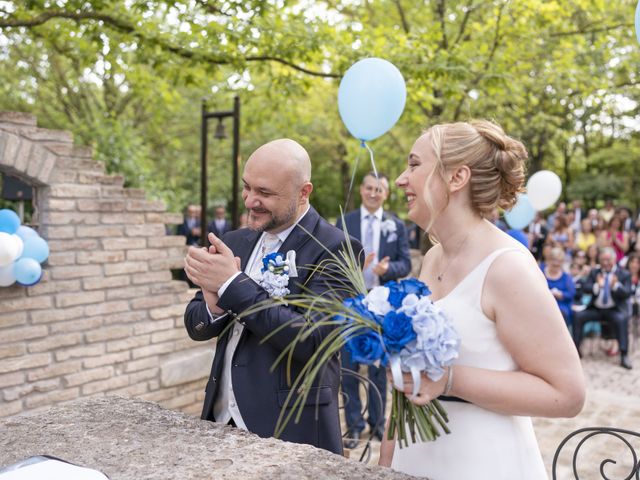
x=190 y=227
x=611 y=288
x=386 y=246
x=219 y=225
x=242 y=390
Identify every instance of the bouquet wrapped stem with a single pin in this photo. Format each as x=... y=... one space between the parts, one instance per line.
x=421 y=420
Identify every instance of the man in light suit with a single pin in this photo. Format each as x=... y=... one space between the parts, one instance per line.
x=385 y=241
x=219 y=225
x=610 y=286
x=242 y=390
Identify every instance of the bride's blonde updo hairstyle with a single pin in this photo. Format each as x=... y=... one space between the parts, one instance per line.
x=496 y=161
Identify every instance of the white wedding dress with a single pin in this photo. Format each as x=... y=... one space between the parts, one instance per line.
x=482 y=444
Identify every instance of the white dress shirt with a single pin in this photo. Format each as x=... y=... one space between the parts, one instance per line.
x=599 y=292
x=376 y=236
x=225 y=406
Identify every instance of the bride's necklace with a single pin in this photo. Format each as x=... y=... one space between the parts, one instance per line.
x=440 y=276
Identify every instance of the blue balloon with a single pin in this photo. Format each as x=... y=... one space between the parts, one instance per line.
x=638 y=21
x=24 y=232
x=9 y=221
x=36 y=248
x=521 y=214
x=27 y=271
x=520 y=236
x=371 y=98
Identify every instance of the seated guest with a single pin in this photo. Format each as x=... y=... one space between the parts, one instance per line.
x=560 y=283
x=190 y=227
x=611 y=287
x=219 y=225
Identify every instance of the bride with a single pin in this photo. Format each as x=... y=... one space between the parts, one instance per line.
x=516 y=357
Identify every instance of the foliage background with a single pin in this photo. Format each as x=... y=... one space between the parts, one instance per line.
x=128 y=76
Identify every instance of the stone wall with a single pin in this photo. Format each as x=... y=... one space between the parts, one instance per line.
x=132 y=439
x=107 y=316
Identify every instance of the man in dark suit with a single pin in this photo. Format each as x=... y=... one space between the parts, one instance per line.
x=190 y=227
x=611 y=288
x=219 y=225
x=242 y=389
x=385 y=241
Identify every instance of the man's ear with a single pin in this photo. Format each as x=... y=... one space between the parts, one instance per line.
x=459 y=179
x=305 y=191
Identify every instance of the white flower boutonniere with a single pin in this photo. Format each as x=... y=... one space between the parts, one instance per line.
x=276 y=270
x=388 y=229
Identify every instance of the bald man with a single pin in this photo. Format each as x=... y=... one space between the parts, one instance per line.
x=243 y=390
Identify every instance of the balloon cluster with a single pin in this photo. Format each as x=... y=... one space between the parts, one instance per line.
x=543 y=190
x=22 y=251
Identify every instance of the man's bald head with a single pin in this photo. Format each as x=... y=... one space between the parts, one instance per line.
x=276 y=185
x=285 y=156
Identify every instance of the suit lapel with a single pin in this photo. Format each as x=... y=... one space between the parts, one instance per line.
x=299 y=236
x=353 y=224
x=245 y=246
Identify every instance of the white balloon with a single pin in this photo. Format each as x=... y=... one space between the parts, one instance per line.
x=19 y=243
x=8 y=249
x=7 y=275
x=544 y=189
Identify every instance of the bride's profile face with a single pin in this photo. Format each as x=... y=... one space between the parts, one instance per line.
x=421 y=163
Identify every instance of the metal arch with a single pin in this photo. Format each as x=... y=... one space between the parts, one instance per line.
x=587 y=434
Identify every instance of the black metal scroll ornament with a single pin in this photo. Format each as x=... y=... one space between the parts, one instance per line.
x=589 y=432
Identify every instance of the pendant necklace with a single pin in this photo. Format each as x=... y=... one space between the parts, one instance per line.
x=440 y=276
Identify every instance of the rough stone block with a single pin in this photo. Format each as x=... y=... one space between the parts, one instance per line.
x=121 y=218
x=73 y=244
x=13 y=318
x=150 y=302
x=99 y=256
x=10 y=379
x=109 y=359
x=18 y=118
x=186 y=367
x=153 y=277
x=128 y=343
x=80 y=325
x=111 y=205
x=80 y=352
x=127 y=268
x=22 y=304
x=71 y=218
x=56 y=315
x=53 y=342
x=168 y=335
x=54 y=370
x=12 y=350
x=145 y=230
x=87 y=376
x=128 y=292
x=101 y=231
x=124 y=243
x=105 y=385
x=23 y=155
x=59 y=232
x=75 y=191
x=72 y=299
x=108 y=333
x=64 y=273
x=108 y=282
x=150 y=327
x=35 y=401
x=24 y=362
x=157 y=349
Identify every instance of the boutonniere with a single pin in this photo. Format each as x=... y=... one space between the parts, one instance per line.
x=388 y=229
x=276 y=270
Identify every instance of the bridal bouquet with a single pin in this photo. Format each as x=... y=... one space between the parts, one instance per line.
x=403 y=329
x=394 y=325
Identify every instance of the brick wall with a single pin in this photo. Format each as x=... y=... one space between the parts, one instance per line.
x=106 y=316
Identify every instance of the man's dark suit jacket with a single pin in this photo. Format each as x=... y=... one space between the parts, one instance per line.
x=260 y=393
x=219 y=233
x=183 y=229
x=619 y=295
x=396 y=247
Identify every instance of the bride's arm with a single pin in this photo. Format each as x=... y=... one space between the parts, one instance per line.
x=550 y=381
x=386 y=448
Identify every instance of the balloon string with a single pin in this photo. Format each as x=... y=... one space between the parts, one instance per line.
x=353 y=177
x=373 y=163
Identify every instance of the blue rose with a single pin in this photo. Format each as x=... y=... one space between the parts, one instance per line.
x=355 y=305
x=397 y=331
x=365 y=347
x=275 y=258
x=398 y=290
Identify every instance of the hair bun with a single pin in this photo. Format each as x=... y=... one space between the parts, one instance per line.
x=509 y=160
